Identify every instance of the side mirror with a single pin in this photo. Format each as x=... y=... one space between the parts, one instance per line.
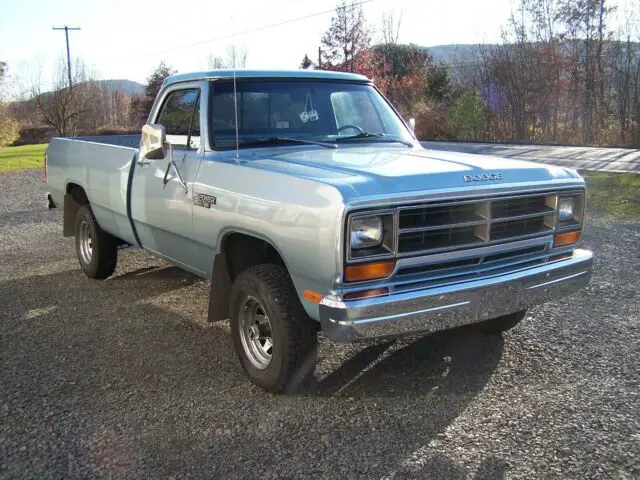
x=152 y=143
x=412 y=124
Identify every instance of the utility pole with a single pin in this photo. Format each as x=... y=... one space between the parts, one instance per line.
x=66 y=36
x=319 y=58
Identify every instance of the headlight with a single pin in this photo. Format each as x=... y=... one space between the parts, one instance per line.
x=366 y=232
x=565 y=208
x=570 y=211
x=570 y=220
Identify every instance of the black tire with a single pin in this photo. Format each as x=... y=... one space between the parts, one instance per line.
x=500 y=324
x=293 y=336
x=101 y=262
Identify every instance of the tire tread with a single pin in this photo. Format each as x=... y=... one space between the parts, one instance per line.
x=300 y=335
x=104 y=247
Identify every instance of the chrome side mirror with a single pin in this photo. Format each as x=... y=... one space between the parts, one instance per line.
x=412 y=124
x=152 y=143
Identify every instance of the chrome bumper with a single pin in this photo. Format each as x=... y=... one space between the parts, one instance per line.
x=441 y=308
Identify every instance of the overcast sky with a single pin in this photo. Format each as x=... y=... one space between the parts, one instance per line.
x=128 y=38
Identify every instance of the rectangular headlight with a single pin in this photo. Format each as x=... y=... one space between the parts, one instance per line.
x=370 y=235
x=570 y=210
x=366 y=232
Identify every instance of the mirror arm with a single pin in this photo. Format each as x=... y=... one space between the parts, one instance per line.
x=171 y=163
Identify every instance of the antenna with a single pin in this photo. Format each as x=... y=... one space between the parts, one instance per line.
x=235 y=92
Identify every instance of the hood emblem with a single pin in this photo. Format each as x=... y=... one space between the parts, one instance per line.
x=483 y=177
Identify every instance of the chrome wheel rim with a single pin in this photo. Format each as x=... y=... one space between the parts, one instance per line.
x=86 y=245
x=255 y=333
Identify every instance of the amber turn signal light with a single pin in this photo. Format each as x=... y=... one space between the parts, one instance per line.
x=566 y=238
x=313 y=296
x=369 y=271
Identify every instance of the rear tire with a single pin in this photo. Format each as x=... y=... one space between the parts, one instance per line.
x=97 y=250
x=275 y=340
x=500 y=324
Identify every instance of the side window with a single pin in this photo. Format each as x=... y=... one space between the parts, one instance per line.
x=180 y=116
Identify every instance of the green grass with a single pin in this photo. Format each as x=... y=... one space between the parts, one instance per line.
x=24 y=157
x=613 y=193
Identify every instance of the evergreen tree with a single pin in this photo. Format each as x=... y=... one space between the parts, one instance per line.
x=346 y=38
x=154 y=83
x=306 y=62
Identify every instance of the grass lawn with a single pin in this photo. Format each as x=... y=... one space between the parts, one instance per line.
x=614 y=193
x=21 y=158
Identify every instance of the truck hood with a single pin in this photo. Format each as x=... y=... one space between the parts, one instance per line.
x=389 y=170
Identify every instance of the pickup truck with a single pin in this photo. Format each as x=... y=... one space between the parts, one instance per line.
x=310 y=205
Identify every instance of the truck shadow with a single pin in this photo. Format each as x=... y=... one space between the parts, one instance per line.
x=450 y=360
x=154 y=274
x=110 y=377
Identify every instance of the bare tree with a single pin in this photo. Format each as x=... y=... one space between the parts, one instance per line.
x=586 y=21
x=235 y=57
x=391 y=27
x=216 y=61
x=3 y=71
x=62 y=107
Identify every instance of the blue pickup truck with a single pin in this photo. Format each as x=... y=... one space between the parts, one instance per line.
x=308 y=202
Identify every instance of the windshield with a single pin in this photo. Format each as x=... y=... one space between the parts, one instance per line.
x=321 y=111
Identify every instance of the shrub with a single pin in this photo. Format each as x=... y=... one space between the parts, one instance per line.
x=34 y=135
x=9 y=127
x=468 y=116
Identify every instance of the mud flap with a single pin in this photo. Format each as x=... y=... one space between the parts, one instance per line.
x=220 y=290
x=71 y=208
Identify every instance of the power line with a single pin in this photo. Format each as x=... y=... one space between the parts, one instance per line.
x=66 y=36
x=258 y=29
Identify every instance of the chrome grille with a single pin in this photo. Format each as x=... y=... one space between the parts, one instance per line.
x=468 y=224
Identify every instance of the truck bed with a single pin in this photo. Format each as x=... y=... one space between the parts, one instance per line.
x=102 y=166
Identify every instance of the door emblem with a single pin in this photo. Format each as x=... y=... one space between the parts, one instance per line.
x=483 y=177
x=202 y=200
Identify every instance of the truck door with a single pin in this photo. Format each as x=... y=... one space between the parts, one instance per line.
x=162 y=191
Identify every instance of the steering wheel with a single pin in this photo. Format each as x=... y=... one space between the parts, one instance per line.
x=350 y=125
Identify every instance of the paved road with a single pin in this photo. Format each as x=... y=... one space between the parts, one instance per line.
x=580 y=158
x=125 y=379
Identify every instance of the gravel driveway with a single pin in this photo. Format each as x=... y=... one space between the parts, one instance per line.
x=124 y=378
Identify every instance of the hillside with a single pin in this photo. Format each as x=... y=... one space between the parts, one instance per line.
x=128 y=87
x=453 y=53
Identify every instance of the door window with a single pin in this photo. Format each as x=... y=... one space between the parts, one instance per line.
x=180 y=116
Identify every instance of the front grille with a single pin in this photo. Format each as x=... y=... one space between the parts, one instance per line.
x=468 y=224
x=471 y=268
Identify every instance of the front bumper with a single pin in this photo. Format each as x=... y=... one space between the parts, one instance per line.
x=442 y=308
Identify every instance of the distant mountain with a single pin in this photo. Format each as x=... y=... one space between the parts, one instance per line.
x=128 y=87
x=454 y=53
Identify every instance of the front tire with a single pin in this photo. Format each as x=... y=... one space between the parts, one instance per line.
x=274 y=339
x=500 y=324
x=97 y=250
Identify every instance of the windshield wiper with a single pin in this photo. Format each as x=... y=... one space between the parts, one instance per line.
x=381 y=136
x=279 y=140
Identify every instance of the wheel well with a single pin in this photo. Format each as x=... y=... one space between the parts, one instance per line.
x=238 y=252
x=74 y=198
x=243 y=251
x=78 y=193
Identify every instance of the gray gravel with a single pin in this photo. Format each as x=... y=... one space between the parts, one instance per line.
x=124 y=378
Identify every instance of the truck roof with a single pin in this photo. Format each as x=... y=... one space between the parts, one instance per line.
x=245 y=73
